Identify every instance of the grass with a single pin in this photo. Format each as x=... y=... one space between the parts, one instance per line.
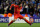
x=20 y=25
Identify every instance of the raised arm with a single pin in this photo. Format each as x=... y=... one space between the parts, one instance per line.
x=13 y=6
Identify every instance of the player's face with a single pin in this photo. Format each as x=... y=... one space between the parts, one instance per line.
x=20 y=5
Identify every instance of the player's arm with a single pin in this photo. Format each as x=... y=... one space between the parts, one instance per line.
x=11 y=6
x=16 y=6
x=20 y=8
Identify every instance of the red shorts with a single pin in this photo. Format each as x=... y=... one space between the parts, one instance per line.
x=18 y=16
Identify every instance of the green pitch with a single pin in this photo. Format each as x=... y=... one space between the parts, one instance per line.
x=20 y=25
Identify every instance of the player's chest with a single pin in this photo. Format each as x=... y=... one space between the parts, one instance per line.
x=17 y=9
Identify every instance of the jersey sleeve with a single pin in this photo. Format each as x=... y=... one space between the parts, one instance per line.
x=21 y=7
x=16 y=6
x=13 y=5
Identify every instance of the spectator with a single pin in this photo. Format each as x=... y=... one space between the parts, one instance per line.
x=26 y=7
x=35 y=8
x=31 y=11
x=26 y=1
x=38 y=9
x=31 y=5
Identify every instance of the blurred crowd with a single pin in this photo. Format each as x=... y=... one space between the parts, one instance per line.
x=28 y=6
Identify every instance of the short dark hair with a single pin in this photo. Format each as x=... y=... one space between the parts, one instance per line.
x=19 y=3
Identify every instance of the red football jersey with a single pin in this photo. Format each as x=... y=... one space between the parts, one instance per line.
x=16 y=8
